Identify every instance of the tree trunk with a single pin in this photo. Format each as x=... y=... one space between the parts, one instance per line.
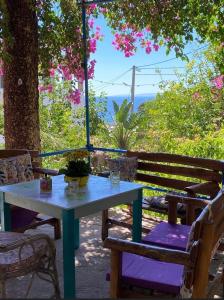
x=21 y=109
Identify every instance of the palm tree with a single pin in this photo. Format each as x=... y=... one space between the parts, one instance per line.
x=123 y=132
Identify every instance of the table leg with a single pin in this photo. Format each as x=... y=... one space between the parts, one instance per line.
x=137 y=218
x=76 y=233
x=5 y=213
x=68 y=253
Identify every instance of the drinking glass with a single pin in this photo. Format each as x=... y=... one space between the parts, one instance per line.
x=115 y=176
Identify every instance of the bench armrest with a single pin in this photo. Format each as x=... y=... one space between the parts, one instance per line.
x=197 y=202
x=206 y=188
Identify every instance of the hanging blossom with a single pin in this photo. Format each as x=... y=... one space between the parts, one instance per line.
x=71 y=69
x=129 y=37
x=1 y=68
x=218 y=82
x=196 y=95
x=74 y=97
x=46 y=88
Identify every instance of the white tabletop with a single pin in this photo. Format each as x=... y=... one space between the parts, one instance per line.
x=97 y=195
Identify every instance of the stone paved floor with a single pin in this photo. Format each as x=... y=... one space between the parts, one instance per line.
x=92 y=262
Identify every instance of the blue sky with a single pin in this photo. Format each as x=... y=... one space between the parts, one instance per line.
x=111 y=64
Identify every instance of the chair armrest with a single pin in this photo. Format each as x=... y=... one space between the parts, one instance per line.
x=207 y=188
x=191 y=205
x=154 y=252
x=45 y=171
x=197 y=202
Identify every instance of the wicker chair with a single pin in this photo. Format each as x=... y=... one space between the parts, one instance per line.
x=21 y=254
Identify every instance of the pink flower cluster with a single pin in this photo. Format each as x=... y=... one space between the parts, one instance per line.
x=127 y=40
x=74 y=97
x=46 y=88
x=1 y=68
x=196 y=95
x=218 y=82
x=125 y=43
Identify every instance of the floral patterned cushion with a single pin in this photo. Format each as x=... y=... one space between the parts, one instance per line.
x=24 y=168
x=126 y=165
x=3 y=173
x=16 y=169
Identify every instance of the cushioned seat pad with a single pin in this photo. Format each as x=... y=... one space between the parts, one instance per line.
x=152 y=274
x=173 y=236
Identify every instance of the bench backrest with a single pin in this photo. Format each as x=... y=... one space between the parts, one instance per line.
x=6 y=153
x=162 y=168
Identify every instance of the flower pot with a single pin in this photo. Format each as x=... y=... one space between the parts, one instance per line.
x=82 y=181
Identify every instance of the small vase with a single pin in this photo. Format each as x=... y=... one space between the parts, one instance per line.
x=82 y=181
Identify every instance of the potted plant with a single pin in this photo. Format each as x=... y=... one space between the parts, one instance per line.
x=77 y=167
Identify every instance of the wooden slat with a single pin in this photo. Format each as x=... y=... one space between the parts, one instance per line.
x=179 y=159
x=167 y=182
x=182 y=171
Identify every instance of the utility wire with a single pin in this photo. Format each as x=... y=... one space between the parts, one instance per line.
x=112 y=80
x=125 y=84
x=156 y=74
x=174 y=58
x=160 y=68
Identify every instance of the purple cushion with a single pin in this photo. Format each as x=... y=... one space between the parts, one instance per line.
x=21 y=217
x=173 y=236
x=152 y=274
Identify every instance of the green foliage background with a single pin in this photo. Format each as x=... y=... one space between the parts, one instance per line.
x=185 y=118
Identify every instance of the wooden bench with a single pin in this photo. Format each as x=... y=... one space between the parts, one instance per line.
x=190 y=176
x=30 y=219
x=182 y=272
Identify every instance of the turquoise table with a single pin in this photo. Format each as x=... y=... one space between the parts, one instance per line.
x=99 y=194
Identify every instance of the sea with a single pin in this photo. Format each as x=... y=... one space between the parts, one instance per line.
x=139 y=99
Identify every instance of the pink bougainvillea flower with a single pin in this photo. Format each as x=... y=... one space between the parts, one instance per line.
x=156 y=47
x=91 y=69
x=52 y=72
x=90 y=9
x=148 y=49
x=103 y=10
x=92 y=45
x=41 y=88
x=1 y=68
x=196 y=95
x=218 y=82
x=139 y=34
x=93 y=6
x=46 y=88
x=50 y=88
x=66 y=72
x=91 y=23
x=74 y=97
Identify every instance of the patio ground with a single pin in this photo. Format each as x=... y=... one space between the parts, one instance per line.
x=92 y=262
